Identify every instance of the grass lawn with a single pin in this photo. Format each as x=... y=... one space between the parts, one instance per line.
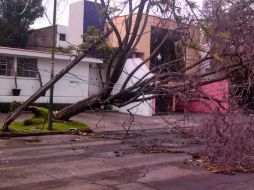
x=38 y=124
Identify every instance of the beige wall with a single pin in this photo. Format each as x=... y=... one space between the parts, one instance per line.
x=192 y=55
x=144 y=44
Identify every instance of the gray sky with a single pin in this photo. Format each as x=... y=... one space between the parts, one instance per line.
x=62 y=13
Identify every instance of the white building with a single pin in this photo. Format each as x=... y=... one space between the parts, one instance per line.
x=33 y=67
x=78 y=24
x=32 y=70
x=73 y=87
x=145 y=108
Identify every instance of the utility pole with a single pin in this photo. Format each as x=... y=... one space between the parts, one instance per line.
x=51 y=97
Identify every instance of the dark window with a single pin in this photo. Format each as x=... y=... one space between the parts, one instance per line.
x=169 y=52
x=62 y=37
x=27 y=68
x=6 y=65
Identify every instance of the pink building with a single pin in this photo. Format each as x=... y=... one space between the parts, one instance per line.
x=217 y=91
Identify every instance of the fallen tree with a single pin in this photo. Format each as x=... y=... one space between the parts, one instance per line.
x=47 y=86
x=166 y=78
x=147 y=87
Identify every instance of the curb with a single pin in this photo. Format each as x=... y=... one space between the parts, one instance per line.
x=2 y=135
x=9 y=134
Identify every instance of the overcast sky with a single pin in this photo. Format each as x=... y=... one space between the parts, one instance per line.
x=62 y=13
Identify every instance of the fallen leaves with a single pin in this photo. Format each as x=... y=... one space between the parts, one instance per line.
x=153 y=149
x=119 y=153
x=220 y=168
x=80 y=148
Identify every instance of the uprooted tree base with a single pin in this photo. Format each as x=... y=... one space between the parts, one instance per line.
x=37 y=123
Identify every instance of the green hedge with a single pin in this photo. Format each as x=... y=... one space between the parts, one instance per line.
x=5 y=107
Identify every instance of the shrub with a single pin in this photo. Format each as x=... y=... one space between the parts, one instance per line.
x=229 y=140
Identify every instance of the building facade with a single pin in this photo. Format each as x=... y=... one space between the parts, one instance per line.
x=32 y=70
x=41 y=39
x=82 y=15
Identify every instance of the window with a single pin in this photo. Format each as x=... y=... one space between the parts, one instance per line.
x=27 y=67
x=62 y=37
x=6 y=65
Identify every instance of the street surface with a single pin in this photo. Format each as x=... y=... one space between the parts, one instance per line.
x=151 y=158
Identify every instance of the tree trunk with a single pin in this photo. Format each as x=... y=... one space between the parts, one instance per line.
x=44 y=88
x=81 y=106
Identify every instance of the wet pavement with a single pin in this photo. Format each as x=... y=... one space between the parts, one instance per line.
x=151 y=158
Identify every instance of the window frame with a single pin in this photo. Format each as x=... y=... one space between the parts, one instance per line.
x=62 y=37
x=27 y=67
x=9 y=65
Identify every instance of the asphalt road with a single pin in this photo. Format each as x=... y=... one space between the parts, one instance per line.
x=151 y=158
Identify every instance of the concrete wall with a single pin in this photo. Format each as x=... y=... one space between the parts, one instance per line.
x=145 y=108
x=62 y=30
x=92 y=16
x=76 y=22
x=28 y=85
x=41 y=39
x=70 y=89
x=95 y=81
x=68 y=86
x=192 y=55
x=217 y=90
x=82 y=15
